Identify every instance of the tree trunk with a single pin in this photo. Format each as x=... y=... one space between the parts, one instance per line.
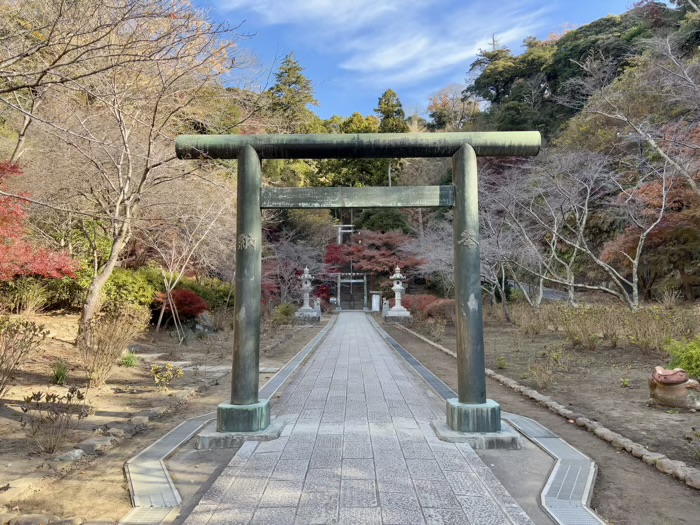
x=93 y=301
x=685 y=284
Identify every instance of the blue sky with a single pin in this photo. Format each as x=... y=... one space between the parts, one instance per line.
x=353 y=50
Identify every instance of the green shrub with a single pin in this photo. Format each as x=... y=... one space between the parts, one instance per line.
x=64 y=293
x=283 y=314
x=214 y=291
x=25 y=295
x=163 y=375
x=127 y=287
x=685 y=355
x=59 y=372
x=129 y=360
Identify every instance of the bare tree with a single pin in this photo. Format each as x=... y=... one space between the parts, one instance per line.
x=436 y=251
x=662 y=79
x=177 y=242
x=286 y=258
x=552 y=208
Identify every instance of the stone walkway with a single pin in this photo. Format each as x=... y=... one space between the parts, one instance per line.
x=357 y=448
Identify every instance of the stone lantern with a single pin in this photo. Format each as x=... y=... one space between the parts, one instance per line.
x=306 y=312
x=398 y=312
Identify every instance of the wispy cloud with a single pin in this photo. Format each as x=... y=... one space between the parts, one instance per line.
x=400 y=43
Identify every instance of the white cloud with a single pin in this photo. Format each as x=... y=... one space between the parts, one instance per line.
x=400 y=43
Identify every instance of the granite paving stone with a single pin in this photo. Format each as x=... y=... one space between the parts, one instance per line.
x=358 y=493
x=274 y=516
x=359 y=515
x=358 y=469
x=424 y=469
x=322 y=480
x=357 y=448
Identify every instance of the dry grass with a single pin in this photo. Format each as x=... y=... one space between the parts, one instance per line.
x=649 y=328
x=107 y=338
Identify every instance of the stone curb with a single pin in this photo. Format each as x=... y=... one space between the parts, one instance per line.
x=678 y=469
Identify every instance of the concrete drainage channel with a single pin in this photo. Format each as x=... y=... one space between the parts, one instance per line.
x=153 y=493
x=569 y=488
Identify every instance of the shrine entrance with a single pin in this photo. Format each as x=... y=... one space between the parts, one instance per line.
x=471 y=411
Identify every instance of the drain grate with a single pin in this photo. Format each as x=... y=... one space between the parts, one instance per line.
x=145 y=516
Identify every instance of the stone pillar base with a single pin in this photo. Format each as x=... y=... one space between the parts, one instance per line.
x=243 y=418
x=462 y=417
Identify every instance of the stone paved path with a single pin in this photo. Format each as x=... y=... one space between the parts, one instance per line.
x=357 y=449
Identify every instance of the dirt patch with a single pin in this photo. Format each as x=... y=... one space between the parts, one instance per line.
x=95 y=488
x=627 y=491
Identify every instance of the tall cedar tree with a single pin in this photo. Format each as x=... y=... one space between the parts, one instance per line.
x=291 y=95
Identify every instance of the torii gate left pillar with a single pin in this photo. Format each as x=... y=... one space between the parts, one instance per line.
x=246 y=412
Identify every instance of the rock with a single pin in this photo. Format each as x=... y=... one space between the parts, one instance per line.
x=139 y=421
x=68 y=521
x=33 y=519
x=565 y=412
x=592 y=425
x=151 y=413
x=6 y=517
x=115 y=432
x=681 y=473
x=692 y=478
x=667 y=466
x=127 y=427
x=621 y=442
x=652 y=458
x=71 y=455
x=604 y=433
x=638 y=451
x=581 y=421
x=95 y=444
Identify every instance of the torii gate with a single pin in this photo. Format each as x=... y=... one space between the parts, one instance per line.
x=472 y=411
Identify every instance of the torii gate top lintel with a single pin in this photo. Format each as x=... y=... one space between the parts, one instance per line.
x=471 y=411
x=359 y=145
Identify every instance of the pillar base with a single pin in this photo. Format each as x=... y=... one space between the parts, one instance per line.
x=463 y=417
x=506 y=439
x=243 y=418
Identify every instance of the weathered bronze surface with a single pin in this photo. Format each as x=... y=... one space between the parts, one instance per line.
x=359 y=145
x=246 y=311
x=375 y=197
x=471 y=377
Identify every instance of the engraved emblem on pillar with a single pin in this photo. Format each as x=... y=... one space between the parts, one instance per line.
x=467 y=240
x=246 y=241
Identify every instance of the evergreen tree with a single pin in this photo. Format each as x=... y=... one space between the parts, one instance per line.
x=290 y=97
x=391 y=114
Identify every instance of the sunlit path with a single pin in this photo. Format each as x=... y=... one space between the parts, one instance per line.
x=357 y=448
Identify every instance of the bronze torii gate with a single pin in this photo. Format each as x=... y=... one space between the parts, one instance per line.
x=471 y=412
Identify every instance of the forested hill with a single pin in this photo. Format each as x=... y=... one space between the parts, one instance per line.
x=94 y=94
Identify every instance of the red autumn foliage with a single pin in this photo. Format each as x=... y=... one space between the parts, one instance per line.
x=373 y=252
x=18 y=255
x=188 y=303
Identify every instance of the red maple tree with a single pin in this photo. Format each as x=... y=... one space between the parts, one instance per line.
x=19 y=257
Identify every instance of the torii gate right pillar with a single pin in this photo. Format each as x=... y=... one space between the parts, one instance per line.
x=471 y=412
